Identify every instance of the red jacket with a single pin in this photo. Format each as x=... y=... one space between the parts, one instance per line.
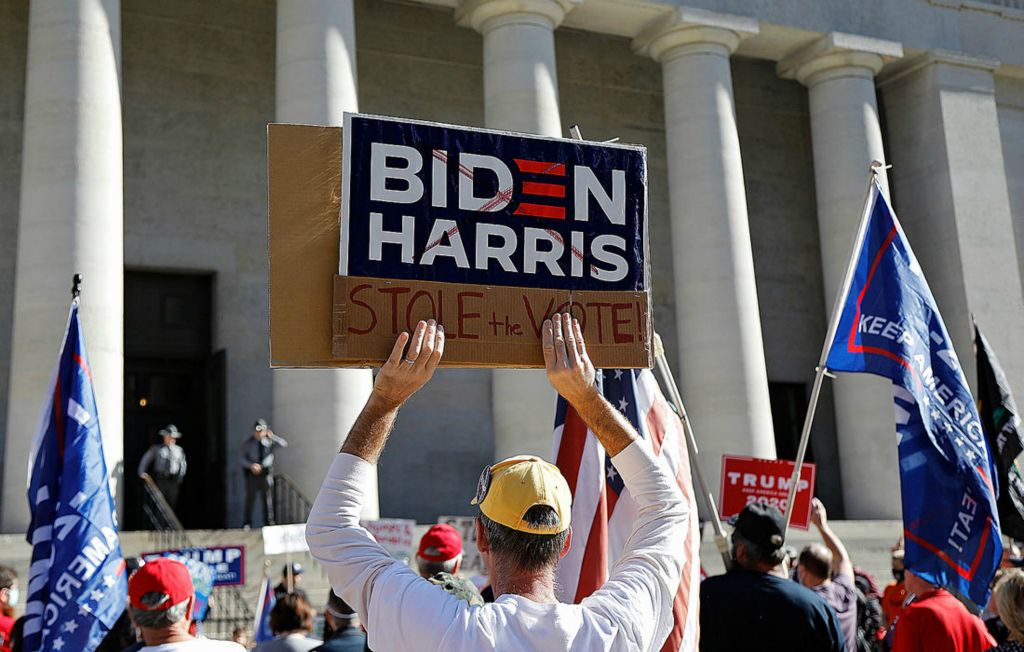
x=6 y=623
x=937 y=622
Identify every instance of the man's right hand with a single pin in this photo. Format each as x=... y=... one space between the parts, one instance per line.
x=256 y=468
x=572 y=374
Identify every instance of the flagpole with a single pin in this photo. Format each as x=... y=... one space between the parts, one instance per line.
x=833 y=325
x=691 y=445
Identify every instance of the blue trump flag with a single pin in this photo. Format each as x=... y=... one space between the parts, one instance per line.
x=77 y=587
x=261 y=627
x=889 y=325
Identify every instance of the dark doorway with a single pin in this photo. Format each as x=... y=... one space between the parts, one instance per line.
x=173 y=376
x=789 y=406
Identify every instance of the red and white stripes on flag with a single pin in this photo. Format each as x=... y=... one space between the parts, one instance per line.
x=603 y=512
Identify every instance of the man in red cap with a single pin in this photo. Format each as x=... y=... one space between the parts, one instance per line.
x=161 y=596
x=440 y=551
x=438 y=560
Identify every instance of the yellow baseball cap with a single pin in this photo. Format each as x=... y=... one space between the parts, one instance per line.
x=508 y=489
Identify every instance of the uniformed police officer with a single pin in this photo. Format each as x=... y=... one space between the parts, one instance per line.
x=165 y=463
x=258 y=467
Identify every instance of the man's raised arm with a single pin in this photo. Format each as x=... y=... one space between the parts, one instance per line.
x=352 y=558
x=841 y=563
x=644 y=580
x=571 y=373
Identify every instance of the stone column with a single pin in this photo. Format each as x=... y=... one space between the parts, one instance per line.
x=71 y=220
x=721 y=354
x=316 y=84
x=839 y=72
x=953 y=199
x=520 y=94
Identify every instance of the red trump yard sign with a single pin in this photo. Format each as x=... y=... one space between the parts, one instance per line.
x=747 y=480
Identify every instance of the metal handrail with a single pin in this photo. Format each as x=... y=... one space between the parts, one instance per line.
x=290 y=504
x=164 y=517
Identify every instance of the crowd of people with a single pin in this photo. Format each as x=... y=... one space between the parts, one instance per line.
x=770 y=598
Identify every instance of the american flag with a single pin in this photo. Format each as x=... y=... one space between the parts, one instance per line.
x=603 y=512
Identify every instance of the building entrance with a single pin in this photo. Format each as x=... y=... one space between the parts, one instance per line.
x=173 y=376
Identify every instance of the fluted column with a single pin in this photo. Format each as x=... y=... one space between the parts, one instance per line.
x=721 y=353
x=839 y=72
x=520 y=94
x=316 y=84
x=71 y=220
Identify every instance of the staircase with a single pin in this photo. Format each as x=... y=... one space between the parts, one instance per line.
x=290 y=504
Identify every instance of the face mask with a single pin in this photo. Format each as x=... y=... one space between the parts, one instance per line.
x=12 y=597
x=898 y=574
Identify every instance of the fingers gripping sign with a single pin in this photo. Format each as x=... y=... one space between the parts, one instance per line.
x=569 y=368
x=411 y=364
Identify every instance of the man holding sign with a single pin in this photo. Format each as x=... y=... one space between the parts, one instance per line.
x=523 y=526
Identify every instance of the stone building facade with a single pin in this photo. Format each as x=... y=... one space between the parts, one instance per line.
x=132 y=150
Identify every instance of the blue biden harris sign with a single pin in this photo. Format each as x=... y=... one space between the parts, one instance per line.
x=490 y=232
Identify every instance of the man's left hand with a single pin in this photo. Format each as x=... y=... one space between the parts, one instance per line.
x=407 y=370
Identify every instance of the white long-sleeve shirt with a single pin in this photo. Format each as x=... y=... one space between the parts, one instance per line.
x=402 y=611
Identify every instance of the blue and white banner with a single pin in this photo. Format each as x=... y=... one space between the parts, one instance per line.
x=891 y=326
x=431 y=202
x=227 y=562
x=77 y=587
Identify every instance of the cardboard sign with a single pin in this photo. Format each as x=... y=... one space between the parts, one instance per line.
x=393 y=534
x=472 y=563
x=304 y=198
x=282 y=539
x=747 y=480
x=227 y=562
x=488 y=327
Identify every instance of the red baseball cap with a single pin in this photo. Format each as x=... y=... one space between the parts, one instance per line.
x=161 y=575
x=440 y=543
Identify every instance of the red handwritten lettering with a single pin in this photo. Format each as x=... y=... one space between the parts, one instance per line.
x=463 y=315
x=394 y=292
x=373 y=315
x=618 y=336
x=412 y=302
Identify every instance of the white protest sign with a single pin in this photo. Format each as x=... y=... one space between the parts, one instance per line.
x=393 y=534
x=466 y=527
x=283 y=539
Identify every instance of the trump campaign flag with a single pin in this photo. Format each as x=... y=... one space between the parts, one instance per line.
x=603 y=512
x=889 y=325
x=265 y=602
x=77 y=587
x=1002 y=427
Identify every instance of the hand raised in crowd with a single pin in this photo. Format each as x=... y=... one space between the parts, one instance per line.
x=569 y=368
x=819 y=516
x=407 y=370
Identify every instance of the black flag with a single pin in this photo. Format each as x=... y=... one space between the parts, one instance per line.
x=1002 y=425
